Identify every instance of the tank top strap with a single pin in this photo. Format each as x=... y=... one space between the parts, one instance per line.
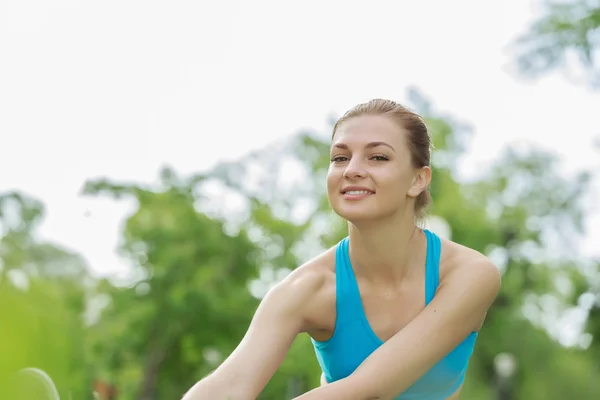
x=432 y=266
x=347 y=294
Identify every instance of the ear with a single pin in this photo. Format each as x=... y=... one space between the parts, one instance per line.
x=420 y=181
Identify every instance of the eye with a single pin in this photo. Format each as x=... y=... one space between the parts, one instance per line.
x=380 y=157
x=339 y=159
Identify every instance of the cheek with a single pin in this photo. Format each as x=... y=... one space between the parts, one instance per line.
x=332 y=180
x=394 y=183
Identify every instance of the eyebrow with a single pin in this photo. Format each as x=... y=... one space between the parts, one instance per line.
x=367 y=146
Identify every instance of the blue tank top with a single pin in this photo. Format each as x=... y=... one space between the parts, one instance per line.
x=353 y=339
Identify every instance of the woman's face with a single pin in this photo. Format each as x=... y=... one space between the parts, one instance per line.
x=371 y=173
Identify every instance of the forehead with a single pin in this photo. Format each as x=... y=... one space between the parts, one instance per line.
x=369 y=128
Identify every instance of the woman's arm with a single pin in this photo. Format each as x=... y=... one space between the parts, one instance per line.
x=461 y=302
x=278 y=319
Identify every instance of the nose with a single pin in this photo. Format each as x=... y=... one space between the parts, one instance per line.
x=355 y=169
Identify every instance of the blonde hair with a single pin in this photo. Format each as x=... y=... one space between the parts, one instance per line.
x=418 y=137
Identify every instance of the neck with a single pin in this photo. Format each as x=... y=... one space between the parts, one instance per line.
x=387 y=250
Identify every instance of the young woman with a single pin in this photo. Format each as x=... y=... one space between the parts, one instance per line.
x=393 y=311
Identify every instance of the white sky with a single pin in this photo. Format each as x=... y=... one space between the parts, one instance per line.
x=121 y=88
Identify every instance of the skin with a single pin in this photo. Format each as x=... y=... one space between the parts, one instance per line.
x=388 y=254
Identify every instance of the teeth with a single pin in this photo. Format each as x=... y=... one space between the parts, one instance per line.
x=358 y=192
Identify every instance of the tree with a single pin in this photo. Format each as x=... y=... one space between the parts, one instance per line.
x=565 y=33
x=186 y=302
x=42 y=297
x=569 y=29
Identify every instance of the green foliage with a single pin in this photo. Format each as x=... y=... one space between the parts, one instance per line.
x=42 y=300
x=565 y=29
x=187 y=293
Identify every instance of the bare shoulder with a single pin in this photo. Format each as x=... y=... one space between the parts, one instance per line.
x=279 y=318
x=467 y=267
x=312 y=275
x=309 y=287
x=469 y=273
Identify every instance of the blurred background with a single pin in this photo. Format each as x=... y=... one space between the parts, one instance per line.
x=162 y=165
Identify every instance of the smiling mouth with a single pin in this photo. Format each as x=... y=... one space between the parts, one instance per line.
x=357 y=192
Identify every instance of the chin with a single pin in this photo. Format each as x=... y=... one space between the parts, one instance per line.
x=355 y=214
